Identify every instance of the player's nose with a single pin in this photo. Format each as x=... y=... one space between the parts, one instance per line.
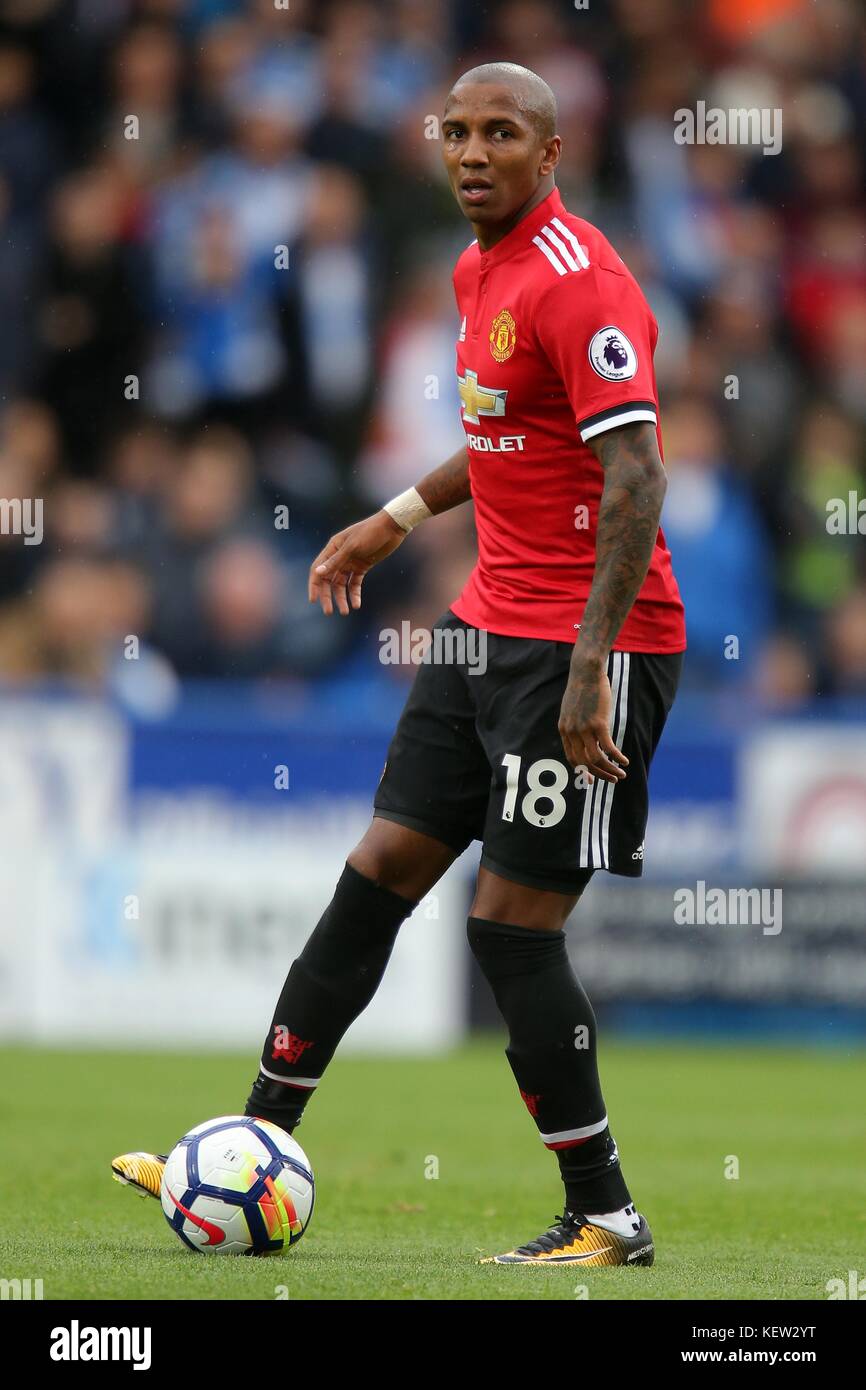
x=474 y=154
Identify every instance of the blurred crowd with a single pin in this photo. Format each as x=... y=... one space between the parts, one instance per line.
x=228 y=320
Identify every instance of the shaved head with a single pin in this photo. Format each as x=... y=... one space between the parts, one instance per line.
x=499 y=146
x=531 y=94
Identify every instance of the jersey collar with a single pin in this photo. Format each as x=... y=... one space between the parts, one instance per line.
x=523 y=232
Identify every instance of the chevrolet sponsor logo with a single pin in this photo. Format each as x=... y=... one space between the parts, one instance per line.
x=479 y=400
x=508 y=443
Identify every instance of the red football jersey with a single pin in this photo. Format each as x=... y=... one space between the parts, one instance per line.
x=556 y=345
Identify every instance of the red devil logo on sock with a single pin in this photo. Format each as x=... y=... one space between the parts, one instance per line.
x=287 y=1046
x=531 y=1103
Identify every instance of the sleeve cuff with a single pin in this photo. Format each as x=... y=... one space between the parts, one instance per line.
x=626 y=414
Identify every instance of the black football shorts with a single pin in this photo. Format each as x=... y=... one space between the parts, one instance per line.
x=476 y=755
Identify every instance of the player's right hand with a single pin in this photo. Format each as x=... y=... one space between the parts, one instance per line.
x=338 y=571
x=585 y=720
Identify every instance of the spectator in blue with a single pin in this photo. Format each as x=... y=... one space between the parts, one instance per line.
x=721 y=552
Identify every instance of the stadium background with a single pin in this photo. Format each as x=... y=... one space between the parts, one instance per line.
x=247 y=308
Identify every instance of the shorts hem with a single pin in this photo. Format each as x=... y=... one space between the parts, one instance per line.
x=424 y=827
x=544 y=882
x=553 y=883
x=636 y=872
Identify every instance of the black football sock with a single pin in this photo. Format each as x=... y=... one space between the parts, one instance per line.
x=329 y=985
x=552 y=1052
x=592 y=1176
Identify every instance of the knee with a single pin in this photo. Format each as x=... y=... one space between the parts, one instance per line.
x=526 y=909
x=499 y=899
x=508 y=955
x=400 y=859
x=381 y=866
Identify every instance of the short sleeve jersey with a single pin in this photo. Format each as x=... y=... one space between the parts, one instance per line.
x=556 y=346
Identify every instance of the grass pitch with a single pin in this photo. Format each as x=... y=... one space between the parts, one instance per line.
x=682 y=1116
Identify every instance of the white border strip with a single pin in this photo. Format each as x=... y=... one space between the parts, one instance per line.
x=307 y=1083
x=565 y=1134
x=627 y=417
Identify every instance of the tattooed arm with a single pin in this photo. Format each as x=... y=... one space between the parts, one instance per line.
x=337 y=572
x=628 y=523
x=448 y=485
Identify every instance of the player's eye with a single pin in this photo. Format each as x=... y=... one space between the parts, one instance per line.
x=506 y=133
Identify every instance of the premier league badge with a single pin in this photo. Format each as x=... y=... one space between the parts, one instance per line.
x=612 y=355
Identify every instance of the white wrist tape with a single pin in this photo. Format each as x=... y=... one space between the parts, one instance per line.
x=408 y=509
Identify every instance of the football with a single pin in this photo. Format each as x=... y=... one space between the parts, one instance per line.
x=238 y=1186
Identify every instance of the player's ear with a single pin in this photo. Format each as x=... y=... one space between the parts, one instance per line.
x=550 y=155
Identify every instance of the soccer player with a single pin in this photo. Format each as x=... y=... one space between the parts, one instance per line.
x=542 y=748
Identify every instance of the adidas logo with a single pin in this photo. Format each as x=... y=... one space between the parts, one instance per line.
x=638 y=854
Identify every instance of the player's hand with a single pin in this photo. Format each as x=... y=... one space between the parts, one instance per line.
x=584 y=723
x=338 y=571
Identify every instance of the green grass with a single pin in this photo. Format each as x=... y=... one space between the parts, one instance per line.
x=792 y=1220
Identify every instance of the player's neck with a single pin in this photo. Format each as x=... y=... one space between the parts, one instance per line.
x=488 y=235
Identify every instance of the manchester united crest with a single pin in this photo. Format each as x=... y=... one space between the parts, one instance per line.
x=503 y=336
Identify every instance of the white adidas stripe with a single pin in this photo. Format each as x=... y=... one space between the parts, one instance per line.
x=569 y=235
x=585 y=822
x=606 y=787
x=554 y=259
x=598 y=799
x=593 y=795
x=566 y=260
x=617 y=735
x=561 y=247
